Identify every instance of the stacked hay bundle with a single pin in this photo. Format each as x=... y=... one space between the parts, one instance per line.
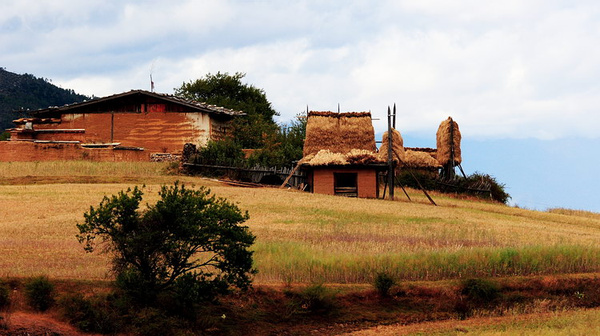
x=448 y=142
x=420 y=159
x=339 y=139
x=398 y=154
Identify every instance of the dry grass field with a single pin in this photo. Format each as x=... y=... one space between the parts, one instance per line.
x=565 y=323
x=301 y=237
x=305 y=239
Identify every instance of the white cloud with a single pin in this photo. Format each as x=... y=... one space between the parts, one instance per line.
x=501 y=69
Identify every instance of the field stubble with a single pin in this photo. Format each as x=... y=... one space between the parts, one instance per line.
x=303 y=237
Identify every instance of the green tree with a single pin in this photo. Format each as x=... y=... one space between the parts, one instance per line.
x=284 y=147
x=190 y=243
x=223 y=89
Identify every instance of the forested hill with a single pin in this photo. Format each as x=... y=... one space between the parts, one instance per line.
x=27 y=92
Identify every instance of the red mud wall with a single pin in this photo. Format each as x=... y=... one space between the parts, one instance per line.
x=28 y=151
x=323 y=182
x=155 y=131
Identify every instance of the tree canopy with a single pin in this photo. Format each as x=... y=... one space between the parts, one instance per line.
x=189 y=240
x=225 y=90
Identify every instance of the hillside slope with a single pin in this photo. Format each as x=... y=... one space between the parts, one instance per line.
x=303 y=237
x=20 y=93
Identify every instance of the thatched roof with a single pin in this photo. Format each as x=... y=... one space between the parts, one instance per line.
x=448 y=139
x=325 y=157
x=339 y=132
x=339 y=139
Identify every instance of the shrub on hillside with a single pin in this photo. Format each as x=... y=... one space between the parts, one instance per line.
x=477 y=184
x=316 y=299
x=480 y=290
x=220 y=153
x=39 y=292
x=189 y=241
x=383 y=283
x=4 y=295
x=95 y=314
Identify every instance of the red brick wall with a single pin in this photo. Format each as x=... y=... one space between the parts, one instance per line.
x=323 y=182
x=28 y=151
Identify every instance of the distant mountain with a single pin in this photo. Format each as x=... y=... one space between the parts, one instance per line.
x=22 y=93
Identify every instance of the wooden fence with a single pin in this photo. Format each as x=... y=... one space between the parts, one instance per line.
x=263 y=175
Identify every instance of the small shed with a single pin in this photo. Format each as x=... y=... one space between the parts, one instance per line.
x=340 y=155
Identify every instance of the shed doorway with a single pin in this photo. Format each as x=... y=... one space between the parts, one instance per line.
x=345 y=184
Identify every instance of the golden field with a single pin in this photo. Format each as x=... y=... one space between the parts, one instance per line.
x=301 y=237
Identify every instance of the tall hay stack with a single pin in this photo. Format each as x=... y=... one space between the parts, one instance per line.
x=339 y=132
x=448 y=135
x=398 y=154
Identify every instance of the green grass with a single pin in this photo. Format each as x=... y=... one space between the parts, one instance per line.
x=584 y=322
x=303 y=237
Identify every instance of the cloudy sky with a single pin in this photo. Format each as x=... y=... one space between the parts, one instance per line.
x=521 y=77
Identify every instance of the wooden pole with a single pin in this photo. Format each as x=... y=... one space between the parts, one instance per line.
x=394 y=118
x=287 y=179
x=451 y=165
x=418 y=183
x=390 y=159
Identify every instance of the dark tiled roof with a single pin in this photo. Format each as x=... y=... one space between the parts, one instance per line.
x=200 y=107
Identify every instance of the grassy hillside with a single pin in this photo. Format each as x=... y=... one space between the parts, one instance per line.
x=301 y=237
x=317 y=256
x=20 y=93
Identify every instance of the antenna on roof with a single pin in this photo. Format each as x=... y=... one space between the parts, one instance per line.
x=151 y=81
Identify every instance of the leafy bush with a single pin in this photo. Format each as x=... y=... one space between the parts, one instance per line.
x=154 y=322
x=4 y=136
x=478 y=181
x=317 y=299
x=383 y=283
x=189 y=238
x=220 y=153
x=4 y=295
x=477 y=184
x=40 y=293
x=406 y=179
x=95 y=314
x=480 y=290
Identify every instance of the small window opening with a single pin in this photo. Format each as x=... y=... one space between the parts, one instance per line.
x=345 y=184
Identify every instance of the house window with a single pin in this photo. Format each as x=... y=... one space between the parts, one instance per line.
x=345 y=184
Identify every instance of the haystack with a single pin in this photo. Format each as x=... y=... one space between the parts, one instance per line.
x=339 y=132
x=448 y=139
x=420 y=159
x=398 y=154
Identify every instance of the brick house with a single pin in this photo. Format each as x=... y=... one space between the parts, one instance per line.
x=127 y=126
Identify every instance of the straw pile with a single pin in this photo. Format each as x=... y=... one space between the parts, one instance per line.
x=339 y=132
x=445 y=142
x=419 y=159
x=398 y=154
x=326 y=157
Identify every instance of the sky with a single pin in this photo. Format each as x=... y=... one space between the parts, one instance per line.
x=521 y=77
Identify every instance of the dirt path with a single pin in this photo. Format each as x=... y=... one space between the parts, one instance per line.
x=31 y=324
